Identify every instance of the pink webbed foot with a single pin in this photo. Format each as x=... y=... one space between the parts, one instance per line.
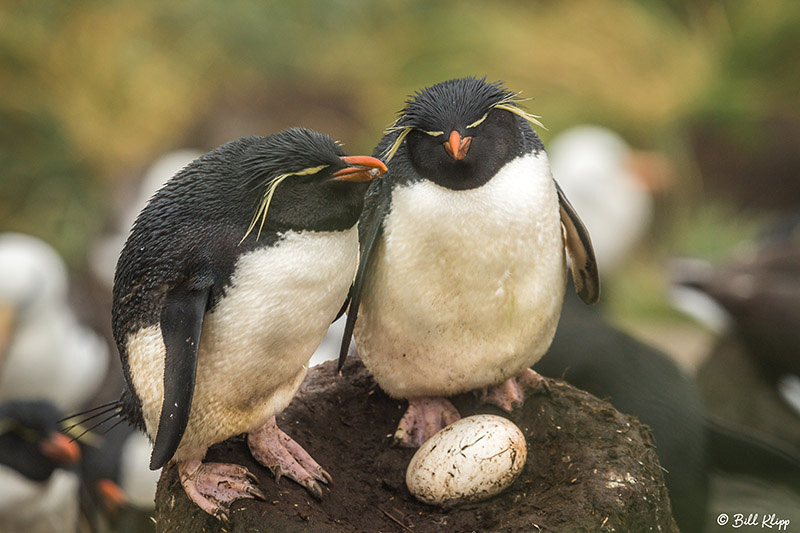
x=277 y=451
x=423 y=418
x=214 y=486
x=511 y=393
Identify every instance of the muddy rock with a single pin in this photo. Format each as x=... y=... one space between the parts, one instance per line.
x=589 y=468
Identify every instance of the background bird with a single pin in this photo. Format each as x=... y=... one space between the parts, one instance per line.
x=105 y=252
x=753 y=299
x=45 y=352
x=611 y=185
x=118 y=489
x=463 y=265
x=38 y=485
x=225 y=287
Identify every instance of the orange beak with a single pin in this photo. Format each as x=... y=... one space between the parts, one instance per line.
x=457 y=146
x=111 y=494
x=61 y=449
x=360 y=168
x=653 y=171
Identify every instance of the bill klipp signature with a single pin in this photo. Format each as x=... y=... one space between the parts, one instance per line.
x=765 y=521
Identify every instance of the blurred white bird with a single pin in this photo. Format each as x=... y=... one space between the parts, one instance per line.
x=45 y=353
x=610 y=185
x=103 y=256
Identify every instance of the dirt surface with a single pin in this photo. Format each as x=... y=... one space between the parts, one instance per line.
x=589 y=468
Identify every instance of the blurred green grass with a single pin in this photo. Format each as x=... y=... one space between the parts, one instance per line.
x=93 y=91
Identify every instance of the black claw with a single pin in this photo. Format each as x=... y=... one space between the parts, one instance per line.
x=328 y=479
x=276 y=471
x=256 y=493
x=315 y=490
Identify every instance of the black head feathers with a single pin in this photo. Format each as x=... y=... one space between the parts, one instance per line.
x=30 y=439
x=449 y=103
x=293 y=151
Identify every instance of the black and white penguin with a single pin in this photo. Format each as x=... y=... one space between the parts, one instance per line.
x=226 y=285
x=38 y=486
x=463 y=268
x=118 y=488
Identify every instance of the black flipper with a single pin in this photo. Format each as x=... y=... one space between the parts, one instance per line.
x=181 y=324
x=583 y=263
x=370 y=227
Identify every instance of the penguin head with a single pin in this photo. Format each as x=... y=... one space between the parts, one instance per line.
x=296 y=179
x=30 y=440
x=460 y=132
x=307 y=182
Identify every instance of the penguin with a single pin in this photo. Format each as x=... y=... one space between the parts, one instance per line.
x=38 y=486
x=225 y=286
x=463 y=265
x=117 y=486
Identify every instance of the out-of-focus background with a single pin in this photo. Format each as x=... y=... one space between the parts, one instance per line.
x=702 y=94
x=94 y=92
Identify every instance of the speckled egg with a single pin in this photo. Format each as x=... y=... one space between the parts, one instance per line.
x=470 y=460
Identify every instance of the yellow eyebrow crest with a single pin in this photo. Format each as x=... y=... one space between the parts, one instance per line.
x=477 y=122
x=389 y=153
x=263 y=207
x=533 y=119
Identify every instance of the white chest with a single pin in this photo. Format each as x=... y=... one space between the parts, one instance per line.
x=467 y=285
x=257 y=340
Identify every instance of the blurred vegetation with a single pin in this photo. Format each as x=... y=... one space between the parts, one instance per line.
x=92 y=91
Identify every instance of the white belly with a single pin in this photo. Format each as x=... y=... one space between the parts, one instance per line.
x=467 y=285
x=257 y=341
x=28 y=506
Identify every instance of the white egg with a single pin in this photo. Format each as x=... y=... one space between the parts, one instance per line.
x=470 y=460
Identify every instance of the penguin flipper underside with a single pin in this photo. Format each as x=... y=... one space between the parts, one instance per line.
x=181 y=325
x=583 y=263
x=370 y=225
